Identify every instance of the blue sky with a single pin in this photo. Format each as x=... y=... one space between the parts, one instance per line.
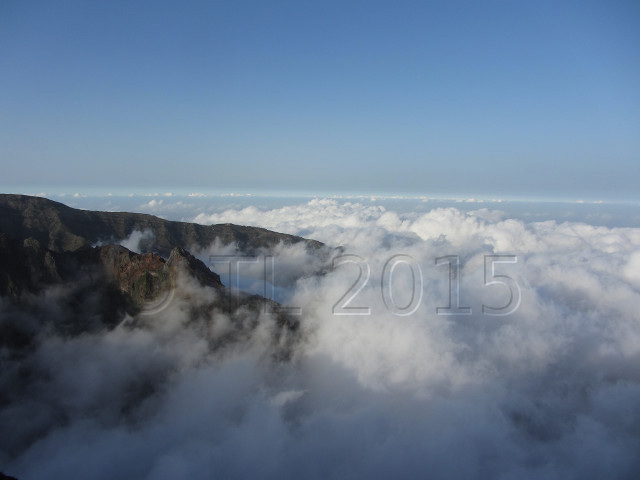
x=498 y=97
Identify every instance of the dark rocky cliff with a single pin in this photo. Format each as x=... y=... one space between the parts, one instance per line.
x=50 y=273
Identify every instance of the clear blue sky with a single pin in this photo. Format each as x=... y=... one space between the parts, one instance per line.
x=503 y=97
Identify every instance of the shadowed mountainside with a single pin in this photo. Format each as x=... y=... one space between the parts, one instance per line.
x=94 y=288
x=71 y=297
x=27 y=267
x=51 y=274
x=61 y=228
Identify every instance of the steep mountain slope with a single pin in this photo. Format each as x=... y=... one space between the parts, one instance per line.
x=96 y=288
x=53 y=279
x=60 y=228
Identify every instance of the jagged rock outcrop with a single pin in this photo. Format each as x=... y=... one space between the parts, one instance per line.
x=181 y=260
x=27 y=267
x=24 y=265
x=52 y=279
x=95 y=288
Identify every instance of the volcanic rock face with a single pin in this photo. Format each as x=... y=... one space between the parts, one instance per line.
x=24 y=265
x=88 y=289
x=27 y=267
x=45 y=260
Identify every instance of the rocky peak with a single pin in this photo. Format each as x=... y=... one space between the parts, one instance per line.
x=181 y=260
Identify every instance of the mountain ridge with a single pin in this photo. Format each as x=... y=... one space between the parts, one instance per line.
x=59 y=227
x=86 y=287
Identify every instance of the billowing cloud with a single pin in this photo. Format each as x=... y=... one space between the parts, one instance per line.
x=152 y=204
x=138 y=241
x=382 y=381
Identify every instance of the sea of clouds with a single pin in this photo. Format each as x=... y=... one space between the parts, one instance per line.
x=385 y=380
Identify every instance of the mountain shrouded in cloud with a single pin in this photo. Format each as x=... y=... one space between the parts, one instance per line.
x=551 y=390
x=60 y=227
x=320 y=240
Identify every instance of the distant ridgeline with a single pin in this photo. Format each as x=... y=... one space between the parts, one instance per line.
x=59 y=228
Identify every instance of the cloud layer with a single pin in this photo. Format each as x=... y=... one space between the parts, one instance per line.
x=549 y=391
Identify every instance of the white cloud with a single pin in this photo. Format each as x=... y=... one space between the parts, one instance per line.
x=632 y=269
x=137 y=240
x=234 y=194
x=551 y=391
x=153 y=204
